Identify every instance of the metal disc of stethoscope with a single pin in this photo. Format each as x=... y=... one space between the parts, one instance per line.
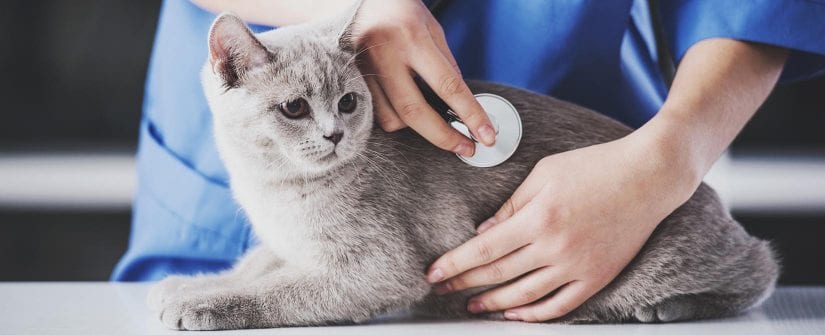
x=507 y=125
x=504 y=117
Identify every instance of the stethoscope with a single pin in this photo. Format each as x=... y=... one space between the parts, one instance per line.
x=502 y=114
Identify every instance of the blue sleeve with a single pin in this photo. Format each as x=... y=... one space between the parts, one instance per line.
x=798 y=25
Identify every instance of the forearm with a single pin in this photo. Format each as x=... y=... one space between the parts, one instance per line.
x=719 y=85
x=276 y=12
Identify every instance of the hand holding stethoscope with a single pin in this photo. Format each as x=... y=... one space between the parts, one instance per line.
x=503 y=116
x=402 y=41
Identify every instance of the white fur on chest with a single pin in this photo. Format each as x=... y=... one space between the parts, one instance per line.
x=287 y=224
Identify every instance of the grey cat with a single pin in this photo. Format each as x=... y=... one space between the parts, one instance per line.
x=350 y=216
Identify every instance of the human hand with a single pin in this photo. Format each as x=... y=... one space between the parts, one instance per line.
x=399 y=40
x=575 y=222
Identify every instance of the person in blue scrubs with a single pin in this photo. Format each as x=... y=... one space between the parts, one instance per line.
x=587 y=211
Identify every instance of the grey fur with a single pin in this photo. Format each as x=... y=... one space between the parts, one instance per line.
x=348 y=236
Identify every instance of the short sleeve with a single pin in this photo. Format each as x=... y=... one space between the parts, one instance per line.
x=798 y=25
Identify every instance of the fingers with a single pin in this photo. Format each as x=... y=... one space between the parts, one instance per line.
x=508 y=267
x=413 y=110
x=447 y=83
x=384 y=113
x=487 y=224
x=479 y=250
x=522 y=195
x=528 y=289
x=399 y=102
x=567 y=299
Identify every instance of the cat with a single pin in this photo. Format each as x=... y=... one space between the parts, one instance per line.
x=349 y=216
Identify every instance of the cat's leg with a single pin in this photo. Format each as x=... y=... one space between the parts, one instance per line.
x=676 y=296
x=688 y=307
x=256 y=262
x=676 y=308
x=296 y=297
x=735 y=287
x=277 y=302
x=663 y=285
x=696 y=266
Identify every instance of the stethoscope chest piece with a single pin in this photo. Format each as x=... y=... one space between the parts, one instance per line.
x=507 y=124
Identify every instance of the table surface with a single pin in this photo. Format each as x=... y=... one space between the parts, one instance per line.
x=106 y=308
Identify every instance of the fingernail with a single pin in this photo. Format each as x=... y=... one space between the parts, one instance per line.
x=435 y=275
x=511 y=316
x=488 y=135
x=443 y=288
x=486 y=225
x=464 y=149
x=476 y=307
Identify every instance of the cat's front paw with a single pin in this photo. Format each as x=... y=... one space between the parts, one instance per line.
x=207 y=311
x=165 y=290
x=191 y=315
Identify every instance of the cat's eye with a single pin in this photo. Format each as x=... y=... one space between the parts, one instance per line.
x=295 y=108
x=347 y=103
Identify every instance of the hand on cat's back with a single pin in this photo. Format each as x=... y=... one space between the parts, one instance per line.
x=402 y=37
x=571 y=227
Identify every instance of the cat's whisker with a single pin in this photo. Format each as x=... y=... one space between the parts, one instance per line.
x=370 y=157
x=387 y=161
x=362 y=51
x=361 y=76
x=377 y=169
x=394 y=146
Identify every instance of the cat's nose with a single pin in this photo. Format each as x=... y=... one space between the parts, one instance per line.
x=335 y=137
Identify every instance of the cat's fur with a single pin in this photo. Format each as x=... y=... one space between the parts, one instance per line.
x=347 y=236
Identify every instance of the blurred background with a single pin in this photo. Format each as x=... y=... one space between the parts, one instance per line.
x=71 y=105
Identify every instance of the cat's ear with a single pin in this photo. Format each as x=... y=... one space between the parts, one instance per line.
x=345 y=25
x=233 y=49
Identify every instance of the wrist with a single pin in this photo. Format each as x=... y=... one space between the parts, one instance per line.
x=671 y=151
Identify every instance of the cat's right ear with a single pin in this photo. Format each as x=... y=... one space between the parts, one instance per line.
x=346 y=26
x=233 y=49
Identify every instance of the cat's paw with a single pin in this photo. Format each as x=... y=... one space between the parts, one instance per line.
x=165 y=290
x=205 y=312
x=190 y=315
x=667 y=311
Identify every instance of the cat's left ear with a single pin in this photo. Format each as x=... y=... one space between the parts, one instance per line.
x=345 y=25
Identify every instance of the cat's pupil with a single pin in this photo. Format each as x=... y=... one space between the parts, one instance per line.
x=347 y=103
x=295 y=108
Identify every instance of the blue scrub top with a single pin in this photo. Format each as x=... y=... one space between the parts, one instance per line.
x=600 y=54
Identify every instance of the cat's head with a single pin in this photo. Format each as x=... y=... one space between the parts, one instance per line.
x=292 y=95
